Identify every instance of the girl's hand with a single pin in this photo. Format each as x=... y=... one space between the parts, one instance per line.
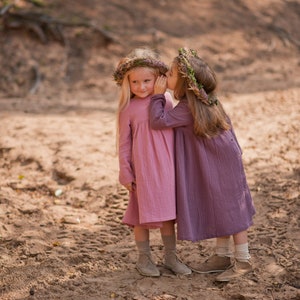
x=130 y=186
x=160 y=85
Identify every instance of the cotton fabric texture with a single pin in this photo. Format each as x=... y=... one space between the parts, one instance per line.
x=213 y=198
x=146 y=156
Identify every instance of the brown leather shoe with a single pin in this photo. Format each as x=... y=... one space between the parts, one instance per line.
x=239 y=268
x=213 y=264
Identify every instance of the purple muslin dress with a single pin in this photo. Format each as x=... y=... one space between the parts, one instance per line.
x=146 y=157
x=213 y=198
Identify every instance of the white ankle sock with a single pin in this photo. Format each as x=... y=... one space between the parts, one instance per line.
x=223 y=247
x=242 y=252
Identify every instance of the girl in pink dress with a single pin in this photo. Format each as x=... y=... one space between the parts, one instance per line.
x=146 y=161
x=213 y=197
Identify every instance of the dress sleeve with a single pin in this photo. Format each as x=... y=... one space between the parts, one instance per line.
x=169 y=101
x=161 y=117
x=126 y=174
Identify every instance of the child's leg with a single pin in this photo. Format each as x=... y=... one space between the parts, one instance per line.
x=241 y=246
x=141 y=234
x=169 y=241
x=242 y=264
x=223 y=246
x=220 y=261
x=168 y=228
x=144 y=265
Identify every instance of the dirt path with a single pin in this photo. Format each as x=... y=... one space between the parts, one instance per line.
x=73 y=246
x=61 y=206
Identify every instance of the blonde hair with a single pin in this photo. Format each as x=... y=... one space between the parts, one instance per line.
x=138 y=58
x=149 y=60
x=209 y=120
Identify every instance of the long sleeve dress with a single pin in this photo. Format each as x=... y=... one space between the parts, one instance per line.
x=146 y=157
x=213 y=198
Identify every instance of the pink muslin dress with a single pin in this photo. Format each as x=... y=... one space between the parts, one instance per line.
x=146 y=157
x=213 y=197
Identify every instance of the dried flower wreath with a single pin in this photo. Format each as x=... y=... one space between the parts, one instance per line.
x=123 y=68
x=187 y=71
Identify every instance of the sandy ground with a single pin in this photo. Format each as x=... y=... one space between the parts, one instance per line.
x=61 y=205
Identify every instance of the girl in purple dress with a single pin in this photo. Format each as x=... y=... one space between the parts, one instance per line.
x=146 y=161
x=213 y=198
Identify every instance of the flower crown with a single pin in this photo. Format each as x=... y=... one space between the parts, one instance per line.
x=123 y=68
x=187 y=71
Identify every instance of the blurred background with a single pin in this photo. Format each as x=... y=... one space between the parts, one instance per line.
x=52 y=48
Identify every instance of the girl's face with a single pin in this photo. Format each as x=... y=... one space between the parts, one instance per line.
x=172 y=76
x=141 y=81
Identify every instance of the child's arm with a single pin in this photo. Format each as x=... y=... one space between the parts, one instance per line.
x=126 y=173
x=161 y=118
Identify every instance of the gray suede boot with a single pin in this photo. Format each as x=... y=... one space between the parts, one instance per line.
x=145 y=265
x=171 y=260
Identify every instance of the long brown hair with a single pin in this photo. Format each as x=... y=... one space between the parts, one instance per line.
x=209 y=120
